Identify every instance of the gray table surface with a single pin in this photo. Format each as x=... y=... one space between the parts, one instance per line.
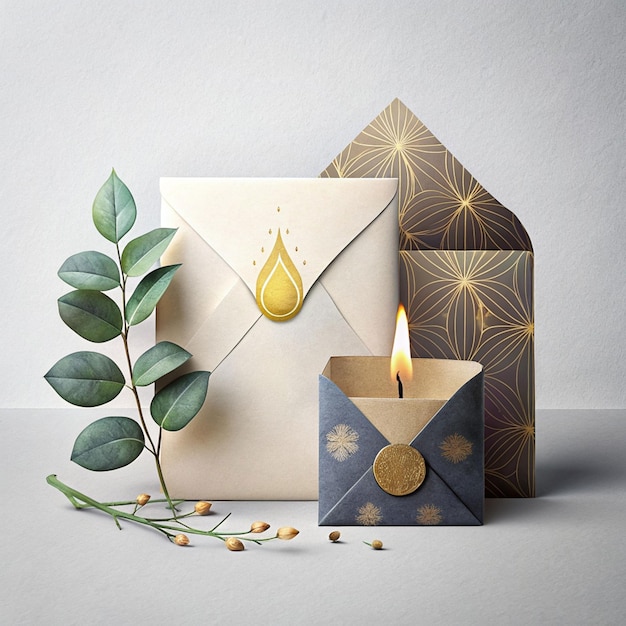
x=559 y=558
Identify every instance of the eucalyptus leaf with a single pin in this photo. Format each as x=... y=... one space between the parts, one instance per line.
x=86 y=378
x=158 y=361
x=91 y=314
x=174 y=406
x=108 y=443
x=142 y=253
x=90 y=270
x=114 y=211
x=148 y=293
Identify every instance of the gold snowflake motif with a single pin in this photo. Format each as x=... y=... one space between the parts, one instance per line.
x=455 y=448
x=429 y=515
x=369 y=515
x=342 y=442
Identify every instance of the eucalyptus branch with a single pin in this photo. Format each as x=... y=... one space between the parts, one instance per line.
x=92 y=379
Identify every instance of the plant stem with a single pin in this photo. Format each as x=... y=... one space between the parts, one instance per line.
x=167 y=526
x=153 y=449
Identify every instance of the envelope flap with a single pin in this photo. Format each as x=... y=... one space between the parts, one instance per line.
x=452 y=444
x=348 y=443
x=442 y=206
x=308 y=221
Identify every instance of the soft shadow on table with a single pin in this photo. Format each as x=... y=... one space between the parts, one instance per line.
x=593 y=460
x=499 y=510
x=568 y=476
x=559 y=480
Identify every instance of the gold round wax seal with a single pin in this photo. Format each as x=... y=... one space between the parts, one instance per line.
x=399 y=469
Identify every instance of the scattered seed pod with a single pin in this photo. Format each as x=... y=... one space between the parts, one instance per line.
x=377 y=544
x=181 y=540
x=234 y=544
x=202 y=507
x=334 y=536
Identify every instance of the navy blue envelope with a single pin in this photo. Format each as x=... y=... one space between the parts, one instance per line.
x=450 y=441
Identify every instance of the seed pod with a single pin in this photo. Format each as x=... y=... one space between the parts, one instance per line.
x=377 y=544
x=334 y=536
x=234 y=544
x=286 y=533
x=142 y=499
x=181 y=540
x=202 y=507
x=259 y=527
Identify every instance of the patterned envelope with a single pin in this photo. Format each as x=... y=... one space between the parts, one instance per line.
x=466 y=266
x=413 y=461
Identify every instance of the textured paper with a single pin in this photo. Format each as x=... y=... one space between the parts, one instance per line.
x=466 y=280
x=256 y=436
x=441 y=416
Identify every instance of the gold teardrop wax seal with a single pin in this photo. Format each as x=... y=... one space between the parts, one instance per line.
x=399 y=469
x=279 y=292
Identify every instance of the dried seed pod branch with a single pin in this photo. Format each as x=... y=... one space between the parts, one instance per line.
x=172 y=527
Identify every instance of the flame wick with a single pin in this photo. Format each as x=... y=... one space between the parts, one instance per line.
x=400 y=390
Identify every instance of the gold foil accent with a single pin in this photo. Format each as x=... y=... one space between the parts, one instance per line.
x=369 y=515
x=342 y=442
x=429 y=515
x=399 y=469
x=456 y=448
x=279 y=292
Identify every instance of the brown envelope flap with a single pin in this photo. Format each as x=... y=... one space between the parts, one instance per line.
x=369 y=385
x=442 y=206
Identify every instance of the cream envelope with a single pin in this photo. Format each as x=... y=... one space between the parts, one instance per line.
x=320 y=254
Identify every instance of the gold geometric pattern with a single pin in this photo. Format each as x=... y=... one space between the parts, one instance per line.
x=441 y=204
x=342 y=442
x=466 y=280
x=455 y=448
x=369 y=515
x=477 y=305
x=429 y=515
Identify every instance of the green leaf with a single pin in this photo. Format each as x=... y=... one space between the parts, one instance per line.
x=147 y=294
x=114 y=210
x=178 y=403
x=86 y=378
x=108 y=443
x=158 y=361
x=90 y=270
x=142 y=253
x=91 y=314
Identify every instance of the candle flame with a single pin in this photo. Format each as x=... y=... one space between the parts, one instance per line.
x=401 y=353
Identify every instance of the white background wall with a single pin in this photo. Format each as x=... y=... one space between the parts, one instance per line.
x=529 y=96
